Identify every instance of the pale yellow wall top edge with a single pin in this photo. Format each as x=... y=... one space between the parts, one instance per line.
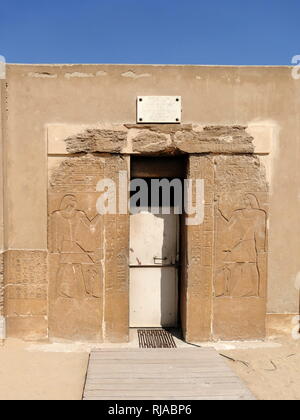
x=147 y=65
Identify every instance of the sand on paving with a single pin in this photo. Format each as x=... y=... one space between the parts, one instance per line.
x=271 y=373
x=39 y=375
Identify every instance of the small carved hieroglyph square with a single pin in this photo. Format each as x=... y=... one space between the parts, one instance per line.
x=159 y=109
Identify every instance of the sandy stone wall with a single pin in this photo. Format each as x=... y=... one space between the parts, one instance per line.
x=88 y=260
x=225 y=264
x=78 y=290
x=264 y=98
x=199 y=258
x=1 y=284
x=240 y=248
x=219 y=98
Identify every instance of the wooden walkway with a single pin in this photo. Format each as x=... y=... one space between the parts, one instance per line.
x=162 y=374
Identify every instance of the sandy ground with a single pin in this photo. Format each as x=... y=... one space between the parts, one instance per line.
x=39 y=375
x=271 y=373
x=39 y=371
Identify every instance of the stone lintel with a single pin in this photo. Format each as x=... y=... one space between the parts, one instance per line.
x=150 y=139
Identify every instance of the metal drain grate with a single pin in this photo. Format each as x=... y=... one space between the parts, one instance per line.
x=156 y=339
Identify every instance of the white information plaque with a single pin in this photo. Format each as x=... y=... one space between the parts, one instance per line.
x=159 y=109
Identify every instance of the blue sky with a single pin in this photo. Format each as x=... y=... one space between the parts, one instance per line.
x=228 y=32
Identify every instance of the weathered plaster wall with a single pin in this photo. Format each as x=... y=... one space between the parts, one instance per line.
x=89 y=95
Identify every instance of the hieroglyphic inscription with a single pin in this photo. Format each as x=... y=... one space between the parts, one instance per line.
x=78 y=174
x=26 y=274
x=88 y=251
x=76 y=243
x=200 y=243
x=199 y=256
x=240 y=251
x=241 y=226
x=116 y=262
x=75 y=228
x=243 y=236
x=73 y=237
x=26 y=286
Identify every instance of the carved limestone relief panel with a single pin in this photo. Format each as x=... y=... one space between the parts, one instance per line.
x=198 y=270
x=241 y=242
x=77 y=236
x=116 y=311
x=78 y=249
x=240 y=251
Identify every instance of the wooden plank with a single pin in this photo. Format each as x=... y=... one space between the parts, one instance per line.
x=166 y=375
x=158 y=374
x=184 y=350
x=164 y=381
x=160 y=370
x=157 y=364
x=207 y=398
x=203 y=387
x=177 y=395
x=158 y=357
x=162 y=374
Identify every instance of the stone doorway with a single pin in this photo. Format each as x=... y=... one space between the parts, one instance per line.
x=223 y=263
x=155 y=241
